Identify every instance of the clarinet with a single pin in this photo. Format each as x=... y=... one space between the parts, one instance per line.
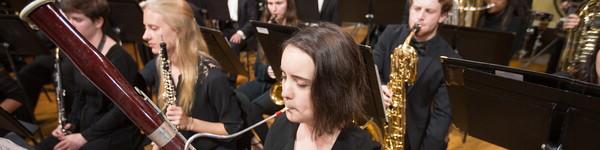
x=169 y=93
x=60 y=93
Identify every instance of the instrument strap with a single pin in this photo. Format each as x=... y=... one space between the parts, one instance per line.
x=101 y=44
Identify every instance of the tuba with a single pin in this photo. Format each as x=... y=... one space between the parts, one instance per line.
x=403 y=70
x=98 y=70
x=466 y=12
x=581 y=40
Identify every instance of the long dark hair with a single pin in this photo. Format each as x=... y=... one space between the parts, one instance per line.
x=340 y=81
x=291 y=16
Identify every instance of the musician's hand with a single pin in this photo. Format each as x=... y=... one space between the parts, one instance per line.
x=154 y=146
x=177 y=117
x=270 y=72
x=236 y=38
x=386 y=95
x=71 y=141
x=571 y=22
x=58 y=133
x=255 y=144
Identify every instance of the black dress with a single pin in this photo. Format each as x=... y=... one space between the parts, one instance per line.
x=96 y=117
x=215 y=101
x=282 y=136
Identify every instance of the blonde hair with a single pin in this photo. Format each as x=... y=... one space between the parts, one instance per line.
x=190 y=46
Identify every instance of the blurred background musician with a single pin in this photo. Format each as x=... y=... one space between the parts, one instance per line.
x=205 y=101
x=281 y=12
x=238 y=28
x=507 y=16
x=323 y=87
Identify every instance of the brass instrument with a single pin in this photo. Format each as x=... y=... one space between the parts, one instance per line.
x=466 y=13
x=581 y=40
x=276 y=94
x=403 y=71
x=276 y=88
x=167 y=79
x=60 y=93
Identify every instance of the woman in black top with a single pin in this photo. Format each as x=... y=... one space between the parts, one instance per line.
x=205 y=101
x=323 y=86
x=13 y=98
x=95 y=122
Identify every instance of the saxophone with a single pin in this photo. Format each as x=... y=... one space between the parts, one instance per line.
x=403 y=70
x=60 y=93
x=167 y=79
x=581 y=40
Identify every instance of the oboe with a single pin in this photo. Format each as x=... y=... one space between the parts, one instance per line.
x=223 y=137
x=169 y=93
x=60 y=93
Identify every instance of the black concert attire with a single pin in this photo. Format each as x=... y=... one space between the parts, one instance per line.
x=428 y=110
x=215 y=101
x=9 y=88
x=282 y=136
x=96 y=117
x=508 y=20
x=247 y=10
x=329 y=12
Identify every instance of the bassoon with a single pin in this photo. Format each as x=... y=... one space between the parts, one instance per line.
x=102 y=73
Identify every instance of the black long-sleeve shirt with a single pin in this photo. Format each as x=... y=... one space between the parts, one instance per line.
x=214 y=101
x=282 y=136
x=97 y=118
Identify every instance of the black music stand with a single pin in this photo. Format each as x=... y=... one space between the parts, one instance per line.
x=125 y=19
x=374 y=107
x=271 y=38
x=518 y=109
x=371 y=12
x=16 y=38
x=9 y=123
x=13 y=5
x=479 y=44
x=307 y=10
x=220 y=50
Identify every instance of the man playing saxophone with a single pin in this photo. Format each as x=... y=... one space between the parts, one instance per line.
x=428 y=108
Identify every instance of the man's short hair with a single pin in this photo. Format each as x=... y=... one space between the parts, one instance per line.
x=94 y=9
